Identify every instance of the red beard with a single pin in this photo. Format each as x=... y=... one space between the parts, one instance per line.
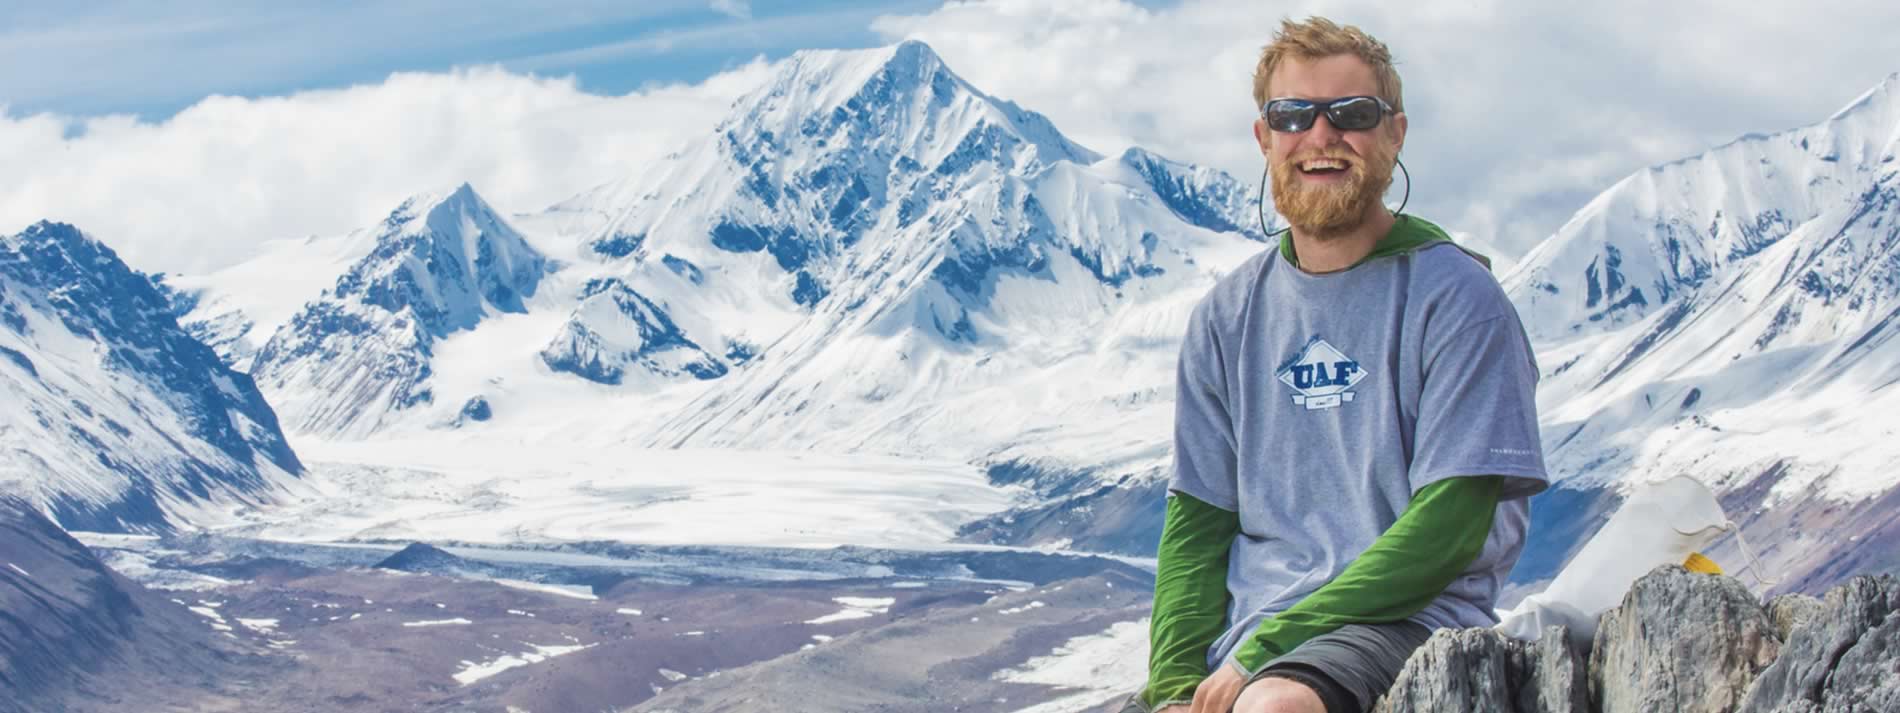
x=1323 y=210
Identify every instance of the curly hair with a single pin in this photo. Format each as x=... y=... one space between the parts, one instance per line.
x=1317 y=38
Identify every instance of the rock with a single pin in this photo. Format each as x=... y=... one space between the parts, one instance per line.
x=1790 y=611
x=1844 y=655
x=1678 y=642
x=1482 y=670
x=1560 y=675
x=422 y=557
x=1681 y=641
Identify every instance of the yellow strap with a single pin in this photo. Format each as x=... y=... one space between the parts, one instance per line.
x=1699 y=563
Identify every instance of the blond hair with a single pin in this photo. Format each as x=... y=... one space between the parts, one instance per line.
x=1318 y=38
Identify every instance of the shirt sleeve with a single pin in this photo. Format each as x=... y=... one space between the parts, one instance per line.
x=1441 y=532
x=1477 y=412
x=1190 y=600
x=1206 y=453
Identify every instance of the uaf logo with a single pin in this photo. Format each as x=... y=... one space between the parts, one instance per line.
x=1321 y=374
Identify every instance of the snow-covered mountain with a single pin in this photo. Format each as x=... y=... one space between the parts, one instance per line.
x=868 y=254
x=1733 y=316
x=362 y=351
x=115 y=418
x=237 y=309
x=954 y=278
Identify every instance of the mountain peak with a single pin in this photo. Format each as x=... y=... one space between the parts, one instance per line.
x=132 y=421
x=441 y=265
x=904 y=92
x=441 y=212
x=66 y=236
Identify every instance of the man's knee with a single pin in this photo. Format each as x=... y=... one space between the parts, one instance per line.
x=1278 y=695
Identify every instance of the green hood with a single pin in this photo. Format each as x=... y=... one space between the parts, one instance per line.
x=1408 y=233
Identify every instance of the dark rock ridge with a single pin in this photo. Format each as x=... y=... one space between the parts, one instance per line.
x=77 y=636
x=1680 y=641
x=423 y=557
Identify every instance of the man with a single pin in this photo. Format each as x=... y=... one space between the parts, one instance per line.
x=1356 y=427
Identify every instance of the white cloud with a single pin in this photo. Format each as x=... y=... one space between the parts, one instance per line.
x=736 y=8
x=1520 y=112
x=196 y=191
x=1519 y=115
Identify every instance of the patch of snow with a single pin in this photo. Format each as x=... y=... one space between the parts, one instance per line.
x=437 y=622
x=573 y=591
x=259 y=625
x=1026 y=607
x=628 y=612
x=473 y=671
x=1098 y=666
x=856 y=608
x=672 y=675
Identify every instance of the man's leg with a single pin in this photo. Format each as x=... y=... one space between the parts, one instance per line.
x=1340 y=672
x=1275 y=694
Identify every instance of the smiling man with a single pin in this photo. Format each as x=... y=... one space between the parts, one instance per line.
x=1355 y=426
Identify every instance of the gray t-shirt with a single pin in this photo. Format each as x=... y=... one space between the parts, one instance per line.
x=1315 y=406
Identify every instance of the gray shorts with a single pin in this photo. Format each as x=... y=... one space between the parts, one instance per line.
x=1349 y=668
x=1353 y=666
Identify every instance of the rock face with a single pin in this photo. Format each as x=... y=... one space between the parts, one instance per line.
x=1481 y=670
x=1842 y=655
x=114 y=418
x=1679 y=642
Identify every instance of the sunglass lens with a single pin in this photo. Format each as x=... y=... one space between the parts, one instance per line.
x=1290 y=115
x=1355 y=114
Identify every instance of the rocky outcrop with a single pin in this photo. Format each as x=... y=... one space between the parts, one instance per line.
x=1482 y=670
x=1679 y=642
x=1842 y=653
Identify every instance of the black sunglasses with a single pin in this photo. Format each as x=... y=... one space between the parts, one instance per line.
x=1293 y=116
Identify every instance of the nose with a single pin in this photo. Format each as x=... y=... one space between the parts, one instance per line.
x=1323 y=132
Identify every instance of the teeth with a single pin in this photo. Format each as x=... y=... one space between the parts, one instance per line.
x=1322 y=164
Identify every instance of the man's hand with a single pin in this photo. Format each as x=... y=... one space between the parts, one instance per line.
x=1217 y=692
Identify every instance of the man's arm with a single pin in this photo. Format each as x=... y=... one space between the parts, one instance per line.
x=1441 y=532
x=1190 y=602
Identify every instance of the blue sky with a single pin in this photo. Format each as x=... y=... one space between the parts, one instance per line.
x=153 y=59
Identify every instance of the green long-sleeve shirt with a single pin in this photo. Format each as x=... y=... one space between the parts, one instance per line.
x=1442 y=530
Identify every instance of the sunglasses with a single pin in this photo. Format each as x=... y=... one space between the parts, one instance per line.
x=1292 y=116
